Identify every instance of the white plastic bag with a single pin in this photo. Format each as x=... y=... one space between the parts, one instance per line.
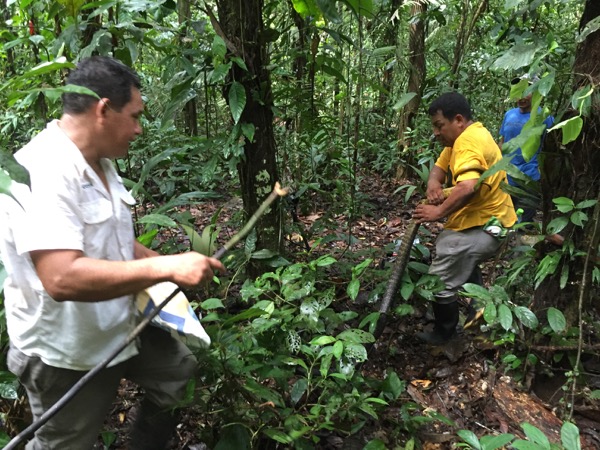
x=177 y=316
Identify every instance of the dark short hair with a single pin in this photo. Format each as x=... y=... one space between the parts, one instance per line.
x=451 y=104
x=107 y=77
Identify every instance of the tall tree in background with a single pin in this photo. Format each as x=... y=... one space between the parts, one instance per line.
x=190 y=112
x=416 y=69
x=241 y=27
x=573 y=171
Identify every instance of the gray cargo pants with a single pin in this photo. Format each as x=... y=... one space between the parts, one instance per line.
x=458 y=253
x=162 y=368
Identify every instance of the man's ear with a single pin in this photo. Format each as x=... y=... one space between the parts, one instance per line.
x=460 y=119
x=102 y=107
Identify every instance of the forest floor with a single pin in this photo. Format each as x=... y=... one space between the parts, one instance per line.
x=465 y=381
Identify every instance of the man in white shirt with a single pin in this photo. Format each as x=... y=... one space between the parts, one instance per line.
x=74 y=266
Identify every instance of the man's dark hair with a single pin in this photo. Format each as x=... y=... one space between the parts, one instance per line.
x=107 y=77
x=451 y=104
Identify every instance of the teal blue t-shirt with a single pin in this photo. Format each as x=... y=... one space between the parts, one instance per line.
x=513 y=123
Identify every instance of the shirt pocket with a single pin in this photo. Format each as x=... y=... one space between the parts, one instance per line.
x=98 y=227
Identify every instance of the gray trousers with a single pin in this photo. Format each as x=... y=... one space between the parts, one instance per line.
x=458 y=253
x=162 y=368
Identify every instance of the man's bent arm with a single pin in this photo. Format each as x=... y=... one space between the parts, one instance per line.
x=69 y=275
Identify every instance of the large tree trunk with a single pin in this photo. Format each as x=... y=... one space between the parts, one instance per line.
x=190 y=111
x=417 y=67
x=416 y=79
x=242 y=25
x=573 y=171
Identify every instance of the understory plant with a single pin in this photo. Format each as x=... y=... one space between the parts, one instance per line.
x=282 y=367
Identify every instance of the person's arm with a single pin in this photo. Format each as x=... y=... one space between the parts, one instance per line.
x=435 y=185
x=460 y=195
x=140 y=251
x=69 y=275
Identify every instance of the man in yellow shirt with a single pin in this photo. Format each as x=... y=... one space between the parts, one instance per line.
x=469 y=150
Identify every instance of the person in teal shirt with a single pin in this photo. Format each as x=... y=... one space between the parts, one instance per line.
x=511 y=127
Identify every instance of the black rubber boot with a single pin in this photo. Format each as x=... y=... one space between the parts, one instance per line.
x=445 y=321
x=152 y=428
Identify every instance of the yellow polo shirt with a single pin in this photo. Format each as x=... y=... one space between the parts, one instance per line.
x=474 y=152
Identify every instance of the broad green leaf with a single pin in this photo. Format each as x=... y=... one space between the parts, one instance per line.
x=535 y=435
x=563 y=204
x=264 y=253
x=495 y=442
x=195 y=238
x=582 y=101
x=248 y=130
x=322 y=340
x=307 y=8
x=586 y=204
x=370 y=320
x=360 y=268
x=557 y=320
x=521 y=444
x=578 y=218
x=570 y=129
x=356 y=336
x=375 y=444
x=558 y=224
x=338 y=349
x=564 y=276
x=505 y=316
x=276 y=435
x=326 y=363
x=325 y=261
x=403 y=100
x=526 y=316
x=234 y=436
x=158 y=219
x=520 y=55
x=5 y=184
x=500 y=165
x=298 y=390
x=218 y=47
x=476 y=291
x=220 y=72
x=570 y=436
x=355 y=352
x=590 y=27
x=393 y=385
x=212 y=303
x=470 y=438
x=545 y=84
x=353 y=288
x=239 y=62
x=547 y=266
x=237 y=100
x=490 y=313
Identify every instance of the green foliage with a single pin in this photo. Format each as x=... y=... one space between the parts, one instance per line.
x=293 y=349
x=536 y=440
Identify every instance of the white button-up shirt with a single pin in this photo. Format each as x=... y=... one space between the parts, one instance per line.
x=68 y=208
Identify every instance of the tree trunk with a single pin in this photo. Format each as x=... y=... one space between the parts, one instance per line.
x=573 y=171
x=465 y=31
x=242 y=25
x=416 y=79
x=190 y=111
x=417 y=67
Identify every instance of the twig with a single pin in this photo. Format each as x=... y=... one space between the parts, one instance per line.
x=277 y=192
